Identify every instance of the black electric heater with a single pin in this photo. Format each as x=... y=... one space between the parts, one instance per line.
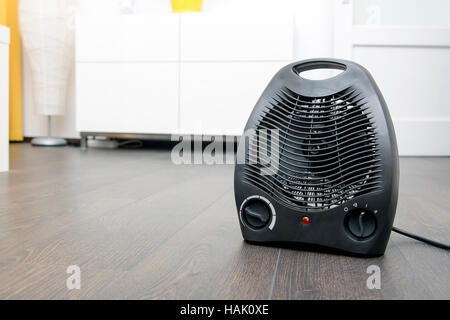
x=319 y=162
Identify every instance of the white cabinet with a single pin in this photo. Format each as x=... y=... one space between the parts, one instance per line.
x=176 y=73
x=127 y=38
x=127 y=70
x=217 y=98
x=236 y=37
x=4 y=98
x=226 y=62
x=127 y=97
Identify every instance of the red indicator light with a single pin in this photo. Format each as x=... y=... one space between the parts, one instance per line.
x=305 y=220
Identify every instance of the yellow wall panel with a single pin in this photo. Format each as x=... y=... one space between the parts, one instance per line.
x=9 y=17
x=3 y=12
x=187 y=5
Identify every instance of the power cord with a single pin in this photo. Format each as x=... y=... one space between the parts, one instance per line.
x=429 y=241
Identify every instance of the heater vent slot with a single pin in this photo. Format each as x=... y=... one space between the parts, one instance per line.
x=327 y=148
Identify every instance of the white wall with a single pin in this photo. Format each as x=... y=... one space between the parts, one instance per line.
x=408 y=56
x=4 y=98
x=313 y=33
x=423 y=13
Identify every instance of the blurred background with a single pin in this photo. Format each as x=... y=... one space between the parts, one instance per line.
x=164 y=67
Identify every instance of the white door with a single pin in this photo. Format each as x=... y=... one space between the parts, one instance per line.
x=405 y=44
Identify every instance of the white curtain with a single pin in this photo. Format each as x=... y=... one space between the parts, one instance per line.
x=47 y=30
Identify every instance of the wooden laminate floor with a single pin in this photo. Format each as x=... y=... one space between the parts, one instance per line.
x=140 y=227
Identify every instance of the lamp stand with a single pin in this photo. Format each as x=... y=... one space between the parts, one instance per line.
x=48 y=141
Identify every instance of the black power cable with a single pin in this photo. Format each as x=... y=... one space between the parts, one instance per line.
x=429 y=241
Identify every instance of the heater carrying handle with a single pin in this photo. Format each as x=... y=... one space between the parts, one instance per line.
x=320 y=64
x=351 y=72
x=350 y=69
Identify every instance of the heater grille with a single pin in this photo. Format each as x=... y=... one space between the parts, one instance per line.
x=326 y=146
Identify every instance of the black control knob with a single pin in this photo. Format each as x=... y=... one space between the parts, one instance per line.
x=361 y=223
x=256 y=214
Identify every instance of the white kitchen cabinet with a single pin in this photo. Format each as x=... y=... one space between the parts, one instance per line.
x=122 y=38
x=226 y=62
x=176 y=73
x=127 y=97
x=236 y=37
x=217 y=98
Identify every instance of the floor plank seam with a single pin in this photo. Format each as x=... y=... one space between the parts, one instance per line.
x=274 y=275
x=200 y=213
x=121 y=207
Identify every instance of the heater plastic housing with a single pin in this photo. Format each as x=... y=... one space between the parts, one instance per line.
x=318 y=162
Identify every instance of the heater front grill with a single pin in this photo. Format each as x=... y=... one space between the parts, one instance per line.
x=326 y=147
